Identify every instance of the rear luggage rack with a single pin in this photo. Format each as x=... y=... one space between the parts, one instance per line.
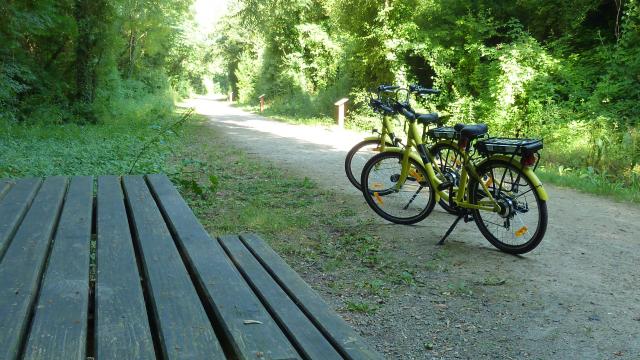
x=520 y=147
x=446 y=132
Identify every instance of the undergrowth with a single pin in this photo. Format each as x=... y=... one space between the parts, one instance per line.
x=71 y=149
x=582 y=178
x=315 y=230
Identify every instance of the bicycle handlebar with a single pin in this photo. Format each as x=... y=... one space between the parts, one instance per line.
x=408 y=114
x=420 y=90
x=387 y=88
x=380 y=106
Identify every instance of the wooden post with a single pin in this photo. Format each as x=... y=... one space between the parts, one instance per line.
x=230 y=98
x=261 y=97
x=341 y=111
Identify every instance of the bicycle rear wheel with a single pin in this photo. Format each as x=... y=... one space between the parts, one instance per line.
x=405 y=204
x=357 y=157
x=522 y=221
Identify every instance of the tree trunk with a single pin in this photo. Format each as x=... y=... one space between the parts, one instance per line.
x=83 y=52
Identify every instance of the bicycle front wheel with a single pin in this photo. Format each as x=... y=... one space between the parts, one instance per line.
x=401 y=203
x=357 y=157
x=521 y=223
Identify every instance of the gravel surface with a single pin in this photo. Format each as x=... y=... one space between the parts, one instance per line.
x=576 y=296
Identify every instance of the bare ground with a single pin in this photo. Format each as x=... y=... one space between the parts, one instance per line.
x=576 y=296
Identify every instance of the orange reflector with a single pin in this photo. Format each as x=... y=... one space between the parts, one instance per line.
x=378 y=198
x=489 y=182
x=414 y=174
x=521 y=231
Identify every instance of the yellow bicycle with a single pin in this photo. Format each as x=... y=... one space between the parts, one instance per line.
x=499 y=190
x=443 y=146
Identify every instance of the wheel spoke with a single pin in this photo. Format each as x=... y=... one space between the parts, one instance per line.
x=515 y=228
x=401 y=202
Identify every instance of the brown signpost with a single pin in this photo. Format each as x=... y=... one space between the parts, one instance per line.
x=261 y=97
x=341 y=110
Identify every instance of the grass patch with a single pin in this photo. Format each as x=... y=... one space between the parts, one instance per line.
x=589 y=182
x=579 y=179
x=106 y=149
x=312 y=228
x=360 y=307
x=459 y=288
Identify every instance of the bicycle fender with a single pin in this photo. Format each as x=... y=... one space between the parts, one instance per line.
x=377 y=138
x=526 y=170
x=414 y=155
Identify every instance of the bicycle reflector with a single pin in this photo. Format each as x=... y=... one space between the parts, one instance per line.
x=528 y=159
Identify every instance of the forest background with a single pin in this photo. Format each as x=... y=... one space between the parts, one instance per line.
x=567 y=71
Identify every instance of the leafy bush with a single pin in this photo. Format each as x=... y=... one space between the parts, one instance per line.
x=563 y=71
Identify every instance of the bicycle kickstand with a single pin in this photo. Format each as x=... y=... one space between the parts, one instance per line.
x=441 y=242
x=462 y=215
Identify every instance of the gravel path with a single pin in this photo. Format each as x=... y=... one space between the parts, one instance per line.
x=577 y=296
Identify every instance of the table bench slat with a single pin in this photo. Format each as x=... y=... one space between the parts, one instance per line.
x=229 y=295
x=121 y=327
x=4 y=187
x=299 y=328
x=350 y=344
x=185 y=331
x=59 y=328
x=22 y=266
x=13 y=206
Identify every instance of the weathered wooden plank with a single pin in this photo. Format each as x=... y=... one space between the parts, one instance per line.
x=21 y=268
x=185 y=331
x=350 y=345
x=230 y=297
x=59 y=327
x=121 y=327
x=13 y=206
x=309 y=340
x=4 y=187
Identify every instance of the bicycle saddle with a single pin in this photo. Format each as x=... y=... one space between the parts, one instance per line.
x=427 y=119
x=471 y=131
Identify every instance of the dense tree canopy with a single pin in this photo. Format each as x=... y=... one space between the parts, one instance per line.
x=565 y=70
x=82 y=60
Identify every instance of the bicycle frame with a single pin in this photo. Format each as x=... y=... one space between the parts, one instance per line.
x=386 y=135
x=426 y=160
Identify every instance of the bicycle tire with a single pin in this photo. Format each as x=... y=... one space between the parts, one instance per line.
x=517 y=205
x=450 y=165
x=349 y=161
x=402 y=201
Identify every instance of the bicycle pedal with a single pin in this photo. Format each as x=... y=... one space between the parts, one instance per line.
x=445 y=185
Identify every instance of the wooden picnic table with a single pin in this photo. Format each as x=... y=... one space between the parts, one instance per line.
x=126 y=271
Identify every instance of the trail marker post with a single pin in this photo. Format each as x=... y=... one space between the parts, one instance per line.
x=341 y=111
x=261 y=97
x=230 y=97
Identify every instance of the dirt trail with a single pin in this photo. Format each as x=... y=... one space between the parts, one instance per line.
x=577 y=296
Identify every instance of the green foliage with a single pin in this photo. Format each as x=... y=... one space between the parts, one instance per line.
x=91 y=60
x=72 y=149
x=565 y=71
